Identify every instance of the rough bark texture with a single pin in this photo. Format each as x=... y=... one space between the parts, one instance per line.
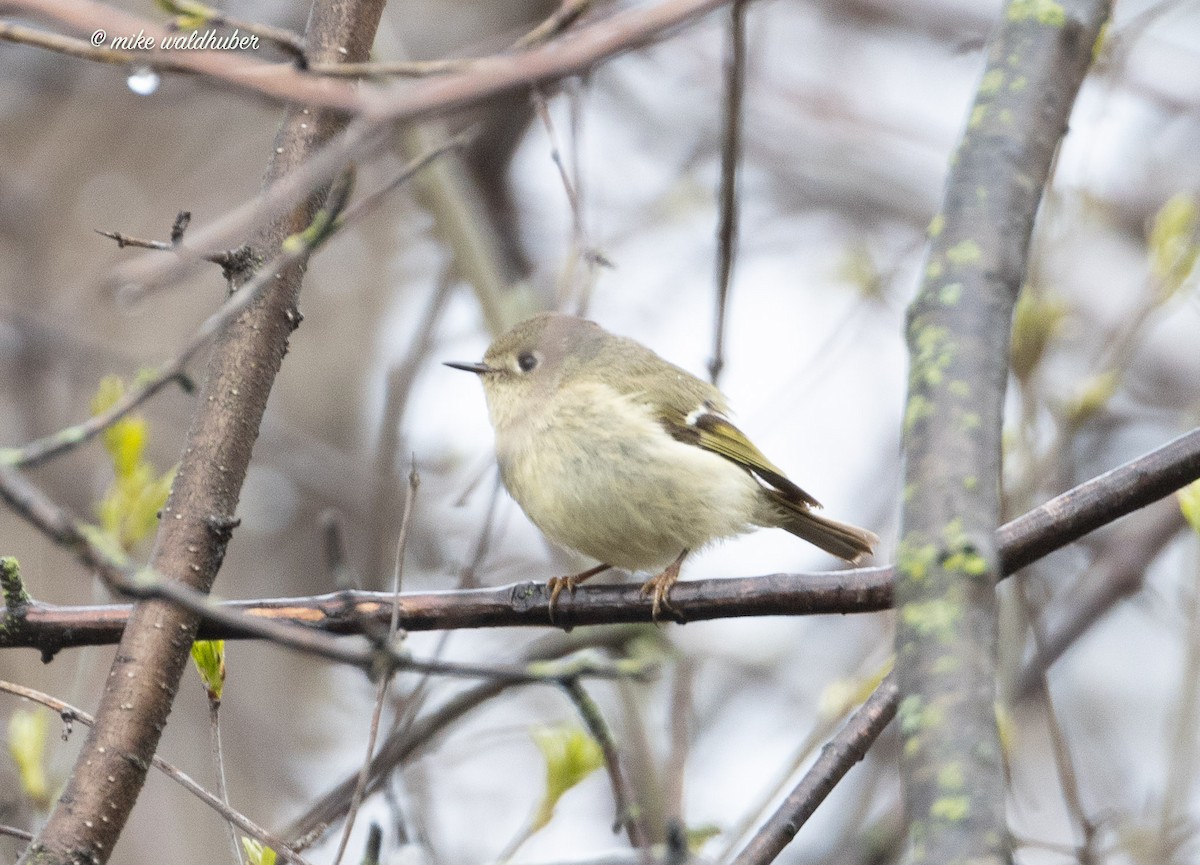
x=958 y=335
x=198 y=519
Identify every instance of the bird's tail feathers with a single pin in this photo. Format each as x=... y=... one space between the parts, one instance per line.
x=839 y=539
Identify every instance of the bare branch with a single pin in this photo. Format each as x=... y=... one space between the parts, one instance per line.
x=837 y=758
x=731 y=154
x=174 y=369
x=51 y=628
x=384 y=681
x=1097 y=502
x=627 y=811
x=197 y=520
x=281 y=82
x=958 y=337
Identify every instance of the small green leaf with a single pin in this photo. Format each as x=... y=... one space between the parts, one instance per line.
x=257 y=853
x=126 y=442
x=1092 y=397
x=571 y=755
x=1173 y=243
x=209 y=658
x=1189 y=504
x=1037 y=321
x=128 y=513
x=698 y=836
x=110 y=389
x=189 y=15
x=842 y=695
x=27 y=733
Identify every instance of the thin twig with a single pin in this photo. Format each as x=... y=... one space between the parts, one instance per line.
x=72 y=47
x=567 y=13
x=62 y=441
x=575 y=53
x=1067 y=774
x=218 y=756
x=627 y=815
x=558 y=22
x=135 y=279
x=837 y=758
x=825 y=727
x=403 y=744
x=173 y=370
x=399 y=383
x=279 y=81
x=395 y=751
x=1099 y=501
x=178 y=227
x=385 y=679
x=285 y=40
x=581 y=246
x=1117 y=571
x=731 y=154
x=14 y=832
x=392 y=68
x=415 y=699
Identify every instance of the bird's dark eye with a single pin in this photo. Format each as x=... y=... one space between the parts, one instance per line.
x=527 y=360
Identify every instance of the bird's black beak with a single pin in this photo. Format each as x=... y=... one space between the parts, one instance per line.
x=477 y=368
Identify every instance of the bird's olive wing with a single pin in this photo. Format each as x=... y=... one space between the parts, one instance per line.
x=714 y=432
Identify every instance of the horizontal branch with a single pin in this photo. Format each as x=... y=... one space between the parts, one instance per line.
x=49 y=628
x=1048 y=527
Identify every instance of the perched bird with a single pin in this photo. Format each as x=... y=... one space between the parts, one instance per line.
x=615 y=453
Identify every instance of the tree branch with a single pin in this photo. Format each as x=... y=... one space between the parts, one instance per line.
x=570 y=53
x=197 y=520
x=1093 y=503
x=837 y=758
x=958 y=336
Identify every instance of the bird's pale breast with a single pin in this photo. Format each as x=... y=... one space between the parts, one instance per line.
x=596 y=472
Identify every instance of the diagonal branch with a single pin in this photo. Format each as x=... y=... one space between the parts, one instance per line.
x=837 y=758
x=197 y=520
x=572 y=52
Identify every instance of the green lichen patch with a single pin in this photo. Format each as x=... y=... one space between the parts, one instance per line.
x=1042 y=11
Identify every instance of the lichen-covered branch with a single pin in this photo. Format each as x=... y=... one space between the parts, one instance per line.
x=958 y=336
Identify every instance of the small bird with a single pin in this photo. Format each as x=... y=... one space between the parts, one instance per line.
x=615 y=453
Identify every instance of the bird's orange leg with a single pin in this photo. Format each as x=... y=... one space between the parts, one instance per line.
x=557 y=584
x=659 y=587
